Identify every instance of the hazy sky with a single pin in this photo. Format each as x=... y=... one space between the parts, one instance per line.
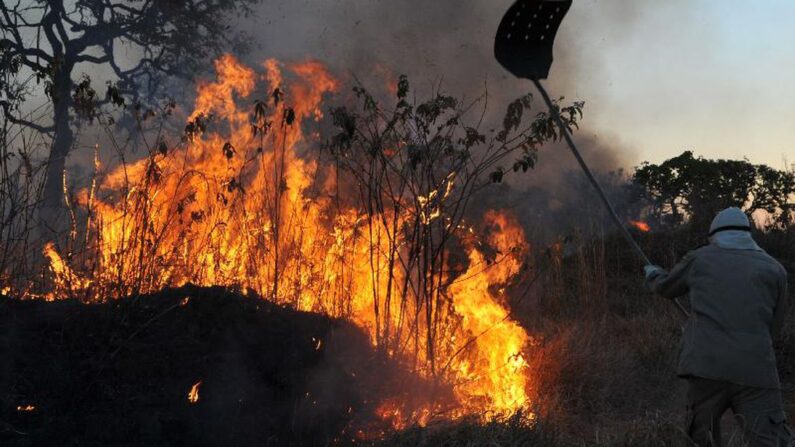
x=712 y=75
x=658 y=76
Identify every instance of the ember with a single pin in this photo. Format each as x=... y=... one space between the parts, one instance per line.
x=640 y=225
x=193 y=394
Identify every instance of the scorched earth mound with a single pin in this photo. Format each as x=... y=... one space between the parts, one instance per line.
x=189 y=366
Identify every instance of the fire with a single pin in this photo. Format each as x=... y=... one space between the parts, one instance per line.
x=238 y=202
x=65 y=278
x=392 y=412
x=497 y=362
x=640 y=225
x=26 y=408
x=193 y=394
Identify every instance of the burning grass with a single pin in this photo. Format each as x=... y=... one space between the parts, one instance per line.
x=355 y=215
x=368 y=225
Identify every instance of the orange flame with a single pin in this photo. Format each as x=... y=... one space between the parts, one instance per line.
x=193 y=394
x=65 y=279
x=640 y=225
x=497 y=362
x=26 y=408
x=239 y=205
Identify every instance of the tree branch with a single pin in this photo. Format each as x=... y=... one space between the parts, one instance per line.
x=93 y=59
x=22 y=51
x=47 y=25
x=59 y=12
x=23 y=122
x=11 y=25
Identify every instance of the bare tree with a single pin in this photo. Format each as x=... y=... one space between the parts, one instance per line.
x=50 y=40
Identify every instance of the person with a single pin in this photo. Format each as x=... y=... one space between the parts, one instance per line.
x=738 y=298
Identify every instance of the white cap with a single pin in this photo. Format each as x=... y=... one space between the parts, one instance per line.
x=730 y=219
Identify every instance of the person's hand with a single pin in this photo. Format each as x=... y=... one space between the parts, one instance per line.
x=652 y=271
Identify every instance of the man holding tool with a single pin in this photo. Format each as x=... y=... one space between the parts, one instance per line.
x=738 y=292
x=738 y=300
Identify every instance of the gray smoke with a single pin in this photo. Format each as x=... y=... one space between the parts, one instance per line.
x=448 y=42
x=445 y=43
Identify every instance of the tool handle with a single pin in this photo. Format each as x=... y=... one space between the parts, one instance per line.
x=565 y=132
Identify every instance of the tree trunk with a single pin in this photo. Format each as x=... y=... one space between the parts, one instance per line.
x=53 y=204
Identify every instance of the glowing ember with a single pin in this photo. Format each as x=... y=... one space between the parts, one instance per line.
x=26 y=408
x=193 y=394
x=239 y=204
x=642 y=226
x=393 y=412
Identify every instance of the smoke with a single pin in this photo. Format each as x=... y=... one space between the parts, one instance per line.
x=449 y=43
x=427 y=40
x=446 y=40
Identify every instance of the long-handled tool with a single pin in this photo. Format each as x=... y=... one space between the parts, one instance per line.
x=524 y=47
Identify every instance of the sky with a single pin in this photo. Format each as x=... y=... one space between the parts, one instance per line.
x=658 y=77
x=714 y=76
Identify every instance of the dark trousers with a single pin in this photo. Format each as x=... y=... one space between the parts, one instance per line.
x=759 y=411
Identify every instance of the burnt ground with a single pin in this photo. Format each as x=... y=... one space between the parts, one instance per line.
x=119 y=373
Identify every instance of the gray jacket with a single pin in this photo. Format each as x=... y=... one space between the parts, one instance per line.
x=738 y=300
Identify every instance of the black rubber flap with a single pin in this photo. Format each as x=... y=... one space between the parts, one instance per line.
x=526 y=34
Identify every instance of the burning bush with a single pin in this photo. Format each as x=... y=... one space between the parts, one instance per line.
x=370 y=225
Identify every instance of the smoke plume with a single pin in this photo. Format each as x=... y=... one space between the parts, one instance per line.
x=447 y=44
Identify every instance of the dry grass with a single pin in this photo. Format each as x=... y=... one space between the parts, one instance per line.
x=516 y=430
x=605 y=365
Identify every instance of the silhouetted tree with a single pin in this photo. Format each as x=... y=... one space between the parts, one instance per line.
x=692 y=188
x=48 y=40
